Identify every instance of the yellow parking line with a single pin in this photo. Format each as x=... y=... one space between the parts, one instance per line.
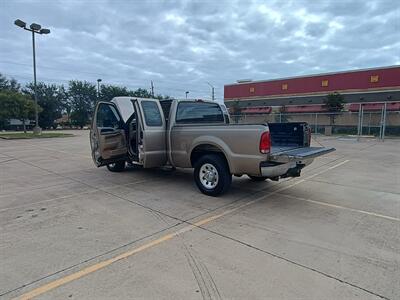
x=93 y=268
x=100 y=265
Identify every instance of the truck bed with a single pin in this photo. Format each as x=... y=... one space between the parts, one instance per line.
x=288 y=135
x=290 y=140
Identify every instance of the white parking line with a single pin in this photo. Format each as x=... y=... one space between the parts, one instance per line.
x=265 y=196
x=94 y=190
x=342 y=207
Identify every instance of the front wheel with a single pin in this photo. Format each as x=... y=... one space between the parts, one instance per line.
x=257 y=178
x=212 y=176
x=118 y=166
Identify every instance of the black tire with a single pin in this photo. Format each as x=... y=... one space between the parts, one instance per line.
x=218 y=165
x=118 y=166
x=257 y=178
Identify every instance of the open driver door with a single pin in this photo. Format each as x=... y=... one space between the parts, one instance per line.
x=107 y=135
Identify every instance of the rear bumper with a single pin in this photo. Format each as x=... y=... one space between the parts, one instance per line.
x=271 y=169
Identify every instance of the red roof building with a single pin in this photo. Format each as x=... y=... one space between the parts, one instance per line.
x=365 y=86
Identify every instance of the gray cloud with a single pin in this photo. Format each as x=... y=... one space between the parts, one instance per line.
x=181 y=45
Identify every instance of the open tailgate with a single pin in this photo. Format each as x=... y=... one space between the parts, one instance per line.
x=298 y=154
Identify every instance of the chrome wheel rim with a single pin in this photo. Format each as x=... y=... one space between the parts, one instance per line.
x=208 y=176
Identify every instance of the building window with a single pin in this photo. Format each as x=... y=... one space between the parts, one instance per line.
x=252 y=89
x=284 y=86
x=324 y=83
x=374 y=78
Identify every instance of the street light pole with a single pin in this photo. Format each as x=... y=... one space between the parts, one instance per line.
x=34 y=28
x=36 y=129
x=186 y=93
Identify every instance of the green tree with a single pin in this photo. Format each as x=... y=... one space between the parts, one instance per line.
x=15 y=105
x=25 y=109
x=65 y=102
x=50 y=99
x=9 y=84
x=334 y=103
x=163 y=97
x=107 y=92
x=141 y=93
x=7 y=107
x=83 y=96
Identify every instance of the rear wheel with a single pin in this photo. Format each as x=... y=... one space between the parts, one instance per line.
x=211 y=174
x=118 y=166
x=257 y=178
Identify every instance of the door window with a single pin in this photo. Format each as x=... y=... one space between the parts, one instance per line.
x=107 y=116
x=152 y=114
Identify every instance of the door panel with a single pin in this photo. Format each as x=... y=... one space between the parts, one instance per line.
x=107 y=135
x=152 y=148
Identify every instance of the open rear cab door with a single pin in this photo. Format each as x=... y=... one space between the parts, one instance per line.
x=107 y=135
x=152 y=145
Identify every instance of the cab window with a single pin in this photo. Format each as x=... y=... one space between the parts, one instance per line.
x=199 y=112
x=107 y=116
x=152 y=114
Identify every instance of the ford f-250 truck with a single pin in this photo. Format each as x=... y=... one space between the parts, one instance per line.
x=197 y=134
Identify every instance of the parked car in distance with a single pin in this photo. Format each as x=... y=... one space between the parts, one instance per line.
x=197 y=134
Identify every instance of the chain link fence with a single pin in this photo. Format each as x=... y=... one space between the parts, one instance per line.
x=372 y=123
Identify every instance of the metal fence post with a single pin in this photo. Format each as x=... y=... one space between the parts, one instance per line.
x=369 y=124
x=384 y=121
x=381 y=124
x=362 y=120
x=359 y=122
x=316 y=122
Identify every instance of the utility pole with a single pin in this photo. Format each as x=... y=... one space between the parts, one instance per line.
x=152 y=89
x=98 y=88
x=34 y=28
x=212 y=91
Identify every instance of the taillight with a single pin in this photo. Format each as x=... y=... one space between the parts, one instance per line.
x=265 y=142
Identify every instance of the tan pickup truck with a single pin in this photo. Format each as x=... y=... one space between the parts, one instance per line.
x=197 y=134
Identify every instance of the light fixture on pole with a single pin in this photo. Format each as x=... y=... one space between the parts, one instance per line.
x=34 y=28
x=186 y=93
x=98 y=88
x=212 y=91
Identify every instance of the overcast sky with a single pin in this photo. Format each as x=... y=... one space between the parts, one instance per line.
x=181 y=45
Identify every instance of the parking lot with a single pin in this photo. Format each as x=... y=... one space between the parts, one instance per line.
x=71 y=231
